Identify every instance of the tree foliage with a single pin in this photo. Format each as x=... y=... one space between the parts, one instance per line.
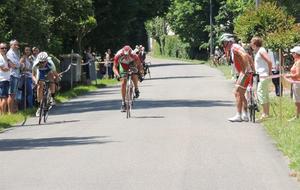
x=270 y=22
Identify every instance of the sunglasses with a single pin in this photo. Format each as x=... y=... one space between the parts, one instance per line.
x=42 y=62
x=3 y=48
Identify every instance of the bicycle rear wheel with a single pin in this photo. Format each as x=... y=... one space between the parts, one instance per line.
x=128 y=99
x=41 y=114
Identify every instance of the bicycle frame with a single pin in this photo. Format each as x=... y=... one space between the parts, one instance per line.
x=129 y=91
x=44 y=104
x=252 y=98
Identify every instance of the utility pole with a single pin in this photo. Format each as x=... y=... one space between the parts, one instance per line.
x=257 y=3
x=211 y=28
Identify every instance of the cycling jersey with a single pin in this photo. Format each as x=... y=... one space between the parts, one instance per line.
x=123 y=62
x=42 y=72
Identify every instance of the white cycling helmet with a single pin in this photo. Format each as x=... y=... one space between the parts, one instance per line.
x=227 y=37
x=42 y=57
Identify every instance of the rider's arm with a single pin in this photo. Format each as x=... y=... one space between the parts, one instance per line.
x=266 y=57
x=115 y=67
x=138 y=64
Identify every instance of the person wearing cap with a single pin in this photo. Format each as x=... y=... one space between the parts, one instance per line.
x=243 y=64
x=295 y=76
x=123 y=59
x=263 y=67
x=13 y=55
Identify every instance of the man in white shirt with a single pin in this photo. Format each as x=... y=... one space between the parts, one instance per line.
x=13 y=55
x=4 y=78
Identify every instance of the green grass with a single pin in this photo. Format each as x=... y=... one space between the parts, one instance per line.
x=285 y=133
x=194 y=61
x=83 y=89
x=7 y=121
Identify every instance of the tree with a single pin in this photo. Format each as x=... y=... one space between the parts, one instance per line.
x=269 y=22
x=122 y=22
x=25 y=22
x=157 y=29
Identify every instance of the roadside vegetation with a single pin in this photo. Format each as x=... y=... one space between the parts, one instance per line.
x=7 y=121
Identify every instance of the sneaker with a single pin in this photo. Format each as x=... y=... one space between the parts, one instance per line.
x=137 y=93
x=52 y=102
x=37 y=113
x=123 y=107
x=245 y=117
x=236 y=118
x=293 y=119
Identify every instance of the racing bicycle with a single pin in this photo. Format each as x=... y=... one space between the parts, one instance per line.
x=252 y=97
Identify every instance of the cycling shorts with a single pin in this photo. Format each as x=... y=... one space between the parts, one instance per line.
x=244 y=80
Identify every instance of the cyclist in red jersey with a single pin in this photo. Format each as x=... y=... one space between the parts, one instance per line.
x=123 y=59
x=244 y=66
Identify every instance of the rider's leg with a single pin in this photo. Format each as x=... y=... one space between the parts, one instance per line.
x=39 y=91
x=136 y=87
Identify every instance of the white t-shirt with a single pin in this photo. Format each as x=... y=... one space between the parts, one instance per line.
x=4 y=76
x=261 y=66
x=15 y=58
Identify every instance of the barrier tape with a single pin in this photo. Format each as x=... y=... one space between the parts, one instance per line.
x=277 y=76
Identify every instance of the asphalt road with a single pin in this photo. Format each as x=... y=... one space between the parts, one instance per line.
x=178 y=139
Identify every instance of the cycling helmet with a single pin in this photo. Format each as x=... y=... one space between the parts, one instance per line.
x=126 y=50
x=42 y=57
x=227 y=37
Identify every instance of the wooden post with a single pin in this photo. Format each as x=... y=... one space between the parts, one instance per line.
x=280 y=82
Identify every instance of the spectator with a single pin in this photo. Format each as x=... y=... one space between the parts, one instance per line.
x=35 y=52
x=142 y=54
x=263 y=67
x=295 y=76
x=87 y=57
x=275 y=71
x=27 y=91
x=4 y=78
x=109 y=58
x=13 y=55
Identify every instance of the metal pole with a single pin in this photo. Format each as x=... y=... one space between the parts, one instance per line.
x=71 y=61
x=257 y=2
x=211 y=28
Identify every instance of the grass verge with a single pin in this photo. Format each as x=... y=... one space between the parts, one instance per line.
x=285 y=133
x=7 y=121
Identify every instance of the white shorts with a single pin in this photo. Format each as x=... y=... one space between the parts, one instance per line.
x=296 y=92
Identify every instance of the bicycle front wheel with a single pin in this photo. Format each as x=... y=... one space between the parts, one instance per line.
x=129 y=94
x=41 y=114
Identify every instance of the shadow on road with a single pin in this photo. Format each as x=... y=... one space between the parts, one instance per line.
x=27 y=144
x=178 y=77
x=89 y=105
x=170 y=64
x=51 y=123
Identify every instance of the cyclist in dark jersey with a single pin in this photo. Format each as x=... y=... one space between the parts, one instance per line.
x=44 y=68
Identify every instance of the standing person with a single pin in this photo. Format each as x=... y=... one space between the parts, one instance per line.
x=13 y=55
x=87 y=57
x=295 y=76
x=122 y=61
x=33 y=56
x=4 y=78
x=243 y=65
x=263 y=67
x=27 y=91
x=275 y=71
x=109 y=58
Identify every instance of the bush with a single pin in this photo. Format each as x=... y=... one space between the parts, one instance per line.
x=174 y=47
x=269 y=22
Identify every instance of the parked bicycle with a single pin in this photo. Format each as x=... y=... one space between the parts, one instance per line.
x=252 y=97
